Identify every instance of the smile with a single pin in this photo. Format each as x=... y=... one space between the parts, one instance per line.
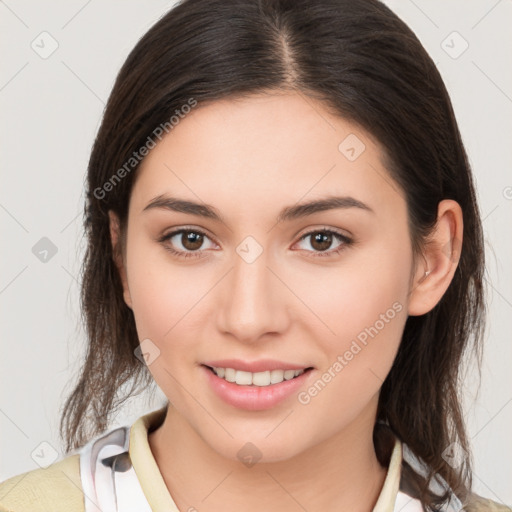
x=262 y=379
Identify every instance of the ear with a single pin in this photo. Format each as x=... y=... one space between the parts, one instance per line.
x=117 y=254
x=433 y=274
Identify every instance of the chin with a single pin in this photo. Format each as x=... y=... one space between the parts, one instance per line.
x=250 y=450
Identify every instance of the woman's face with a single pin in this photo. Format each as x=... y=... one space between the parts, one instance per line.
x=255 y=284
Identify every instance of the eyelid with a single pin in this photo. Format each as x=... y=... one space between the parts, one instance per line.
x=174 y=231
x=320 y=228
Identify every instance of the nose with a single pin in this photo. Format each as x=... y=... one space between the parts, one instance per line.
x=253 y=302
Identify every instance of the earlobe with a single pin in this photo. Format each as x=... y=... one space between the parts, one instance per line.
x=435 y=271
x=117 y=255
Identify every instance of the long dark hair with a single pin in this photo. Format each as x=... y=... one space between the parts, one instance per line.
x=368 y=67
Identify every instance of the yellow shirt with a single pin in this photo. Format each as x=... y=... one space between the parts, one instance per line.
x=58 y=488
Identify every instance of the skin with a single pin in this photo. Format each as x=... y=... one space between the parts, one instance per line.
x=249 y=158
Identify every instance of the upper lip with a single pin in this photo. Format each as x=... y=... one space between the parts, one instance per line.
x=261 y=365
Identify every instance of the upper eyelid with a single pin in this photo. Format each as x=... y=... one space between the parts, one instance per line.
x=175 y=231
x=325 y=229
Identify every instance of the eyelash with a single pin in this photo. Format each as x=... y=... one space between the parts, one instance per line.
x=196 y=254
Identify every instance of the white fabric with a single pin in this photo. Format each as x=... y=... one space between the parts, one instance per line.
x=105 y=488
x=405 y=503
x=438 y=484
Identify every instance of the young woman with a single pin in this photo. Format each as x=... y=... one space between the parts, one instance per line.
x=284 y=237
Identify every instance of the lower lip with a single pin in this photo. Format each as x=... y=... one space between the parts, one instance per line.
x=254 y=398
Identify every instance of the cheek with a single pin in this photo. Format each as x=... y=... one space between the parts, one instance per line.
x=367 y=317
x=363 y=304
x=366 y=283
x=166 y=303
x=166 y=297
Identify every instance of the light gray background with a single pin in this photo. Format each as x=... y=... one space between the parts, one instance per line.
x=51 y=109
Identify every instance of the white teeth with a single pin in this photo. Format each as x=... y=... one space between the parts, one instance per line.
x=243 y=378
x=276 y=376
x=289 y=374
x=262 y=379
x=230 y=374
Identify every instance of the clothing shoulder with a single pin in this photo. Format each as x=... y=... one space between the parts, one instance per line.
x=478 y=503
x=57 y=488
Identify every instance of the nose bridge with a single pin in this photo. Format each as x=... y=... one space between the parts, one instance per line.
x=253 y=304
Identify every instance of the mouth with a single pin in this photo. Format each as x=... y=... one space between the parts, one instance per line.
x=255 y=385
x=257 y=379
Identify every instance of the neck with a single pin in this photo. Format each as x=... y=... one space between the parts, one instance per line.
x=340 y=473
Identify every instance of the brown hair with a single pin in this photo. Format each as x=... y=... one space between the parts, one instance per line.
x=367 y=66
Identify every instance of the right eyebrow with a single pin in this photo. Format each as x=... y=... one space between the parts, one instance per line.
x=184 y=206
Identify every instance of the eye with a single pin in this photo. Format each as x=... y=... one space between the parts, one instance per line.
x=322 y=239
x=186 y=243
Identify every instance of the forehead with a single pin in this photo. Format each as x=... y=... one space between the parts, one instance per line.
x=262 y=149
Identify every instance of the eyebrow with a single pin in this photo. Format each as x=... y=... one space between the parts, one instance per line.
x=287 y=214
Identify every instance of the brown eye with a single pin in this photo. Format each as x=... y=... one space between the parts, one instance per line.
x=187 y=242
x=321 y=242
x=191 y=240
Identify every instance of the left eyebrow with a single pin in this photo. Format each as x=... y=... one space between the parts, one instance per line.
x=287 y=214
x=320 y=205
